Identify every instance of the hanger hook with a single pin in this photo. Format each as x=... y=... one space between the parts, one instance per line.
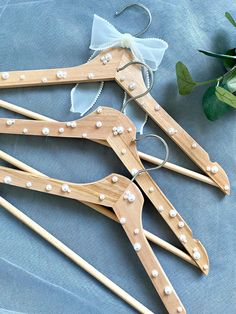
x=145 y=9
x=144 y=93
x=163 y=162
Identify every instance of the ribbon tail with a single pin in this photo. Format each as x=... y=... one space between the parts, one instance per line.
x=84 y=96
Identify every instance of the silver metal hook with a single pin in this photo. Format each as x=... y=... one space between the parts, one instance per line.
x=145 y=9
x=163 y=162
x=142 y=94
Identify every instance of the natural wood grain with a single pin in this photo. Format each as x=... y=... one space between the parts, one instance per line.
x=74 y=257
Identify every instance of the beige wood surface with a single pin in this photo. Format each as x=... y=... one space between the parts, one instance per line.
x=97 y=70
x=128 y=212
x=125 y=148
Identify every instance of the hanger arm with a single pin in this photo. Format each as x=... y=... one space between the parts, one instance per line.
x=74 y=257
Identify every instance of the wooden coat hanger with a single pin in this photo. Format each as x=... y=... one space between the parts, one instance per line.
x=110 y=65
x=112 y=127
x=124 y=197
x=74 y=257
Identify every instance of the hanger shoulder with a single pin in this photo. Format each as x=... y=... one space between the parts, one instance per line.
x=132 y=74
x=101 y=68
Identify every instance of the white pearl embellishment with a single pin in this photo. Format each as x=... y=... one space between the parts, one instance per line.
x=99 y=110
x=183 y=238
x=129 y=196
x=122 y=220
x=179 y=309
x=117 y=130
x=157 y=107
x=123 y=151
x=114 y=179
x=196 y=255
x=168 y=290
x=132 y=86
x=7 y=180
x=5 y=75
x=48 y=187
x=84 y=135
x=44 y=79
x=214 y=169
x=160 y=208
x=10 y=122
x=102 y=197
x=28 y=184
x=122 y=78
x=205 y=267
x=61 y=74
x=181 y=224
x=61 y=130
x=137 y=246
x=151 y=189
x=45 y=131
x=136 y=231
x=208 y=168
x=98 y=124
x=129 y=130
x=25 y=131
x=22 y=77
x=65 y=188
x=134 y=171
x=194 y=145
x=226 y=187
x=172 y=131
x=173 y=213
x=90 y=76
x=154 y=273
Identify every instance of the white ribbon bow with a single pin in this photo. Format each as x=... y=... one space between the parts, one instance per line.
x=148 y=50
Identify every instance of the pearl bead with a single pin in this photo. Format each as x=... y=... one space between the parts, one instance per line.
x=108 y=56
x=194 y=145
x=157 y=107
x=123 y=151
x=214 y=169
x=103 y=58
x=25 y=131
x=179 y=309
x=226 y=187
x=48 y=187
x=65 y=188
x=136 y=231
x=90 y=76
x=183 y=238
x=61 y=74
x=131 y=198
x=10 y=122
x=134 y=171
x=181 y=224
x=45 y=131
x=205 y=267
x=22 y=77
x=28 y=184
x=160 y=208
x=122 y=220
x=84 y=135
x=196 y=255
x=102 y=197
x=5 y=75
x=44 y=79
x=168 y=290
x=151 y=189
x=98 y=124
x=122 y=78
x=104 y=62
x=132 y=86
x=120 y=129
x=7 y=180
x=173 y=213
x=172 y=131
x=73 y=124
x=99 y=110
x=129 y=130
x=154 y=273
x=208 y=168
x=61 y=130
x=137 y=246
x=114 y=179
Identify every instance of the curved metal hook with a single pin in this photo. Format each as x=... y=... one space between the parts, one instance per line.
x=147 y=91
x=163 y=162
x=145 y=9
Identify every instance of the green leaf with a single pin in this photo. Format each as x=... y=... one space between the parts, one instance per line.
x=230 y=18
x=229 y=63
x=212 y=106
x=217 y=55
x=226 y=96
x=184 y=79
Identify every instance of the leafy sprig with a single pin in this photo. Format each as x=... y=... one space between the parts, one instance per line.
x=219 y=97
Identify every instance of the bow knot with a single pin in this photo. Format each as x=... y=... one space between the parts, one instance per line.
x=126 y=40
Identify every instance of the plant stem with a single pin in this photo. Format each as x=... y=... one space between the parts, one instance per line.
x=209 y=81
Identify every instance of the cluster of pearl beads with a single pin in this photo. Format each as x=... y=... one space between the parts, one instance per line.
x=106 y=58
x=117 y=130
x=61 y=74
x=196 y=254
x=213 y=169
x=71 y=124
x=10 y=122
x=129 y=196
x=172 y=131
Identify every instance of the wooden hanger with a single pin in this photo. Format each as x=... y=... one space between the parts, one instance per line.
x=74 y=257
x=124 y=197
x=111 y=126
x=107 y=67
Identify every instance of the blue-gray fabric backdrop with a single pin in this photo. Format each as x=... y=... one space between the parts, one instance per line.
x=34 y=277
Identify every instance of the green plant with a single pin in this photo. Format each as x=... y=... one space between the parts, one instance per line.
x=219 y=97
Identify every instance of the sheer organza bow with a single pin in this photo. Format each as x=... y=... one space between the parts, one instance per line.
x=104 y=36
